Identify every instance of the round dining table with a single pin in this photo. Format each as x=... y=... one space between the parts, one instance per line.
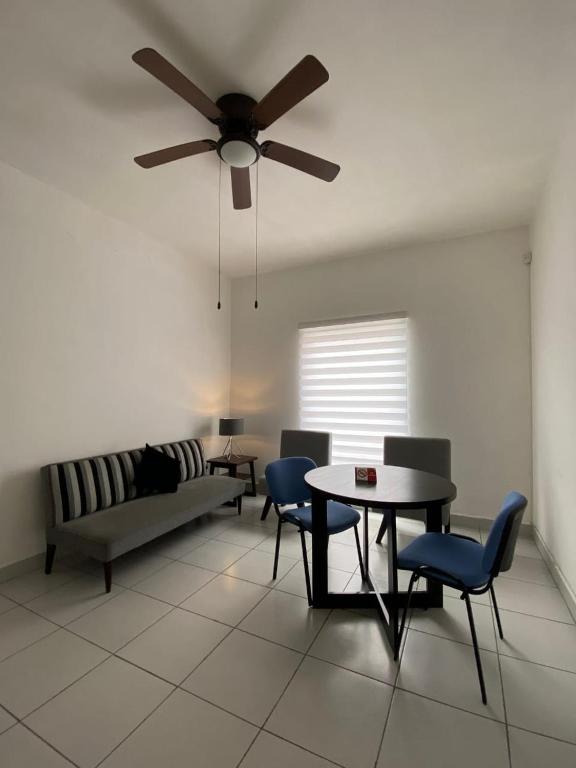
x=396 y=488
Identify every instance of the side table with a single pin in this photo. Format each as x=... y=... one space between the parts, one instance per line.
x=231 y=463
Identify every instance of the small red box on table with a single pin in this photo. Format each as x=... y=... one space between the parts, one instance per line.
x=365 y=475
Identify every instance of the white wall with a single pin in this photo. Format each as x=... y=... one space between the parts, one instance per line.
x=468 y=303
x=554 y=362
x=107 y=340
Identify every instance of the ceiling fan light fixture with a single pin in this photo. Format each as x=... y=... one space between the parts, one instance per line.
x=239 y=153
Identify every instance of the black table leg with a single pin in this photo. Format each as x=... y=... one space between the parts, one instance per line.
x=392 y=579
x=387 y=601
x=319 y=551
x=366 y=544
x=434 y=590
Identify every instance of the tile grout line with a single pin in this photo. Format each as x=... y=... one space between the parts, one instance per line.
x=34 y=642
x=262 y=728
x=177 y=686
x=301 y=662
x=451 y=706
x=544 y=735
x=66 y=627
x=496 y=637
x=460 y=642
x=110 y=653
x=156 y=708
x=232 y=628
x=66 y=687
x=299 y=746
x=397 y=687
x=394 y=689
x=43 y=740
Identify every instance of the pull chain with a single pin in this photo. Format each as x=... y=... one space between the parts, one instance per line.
x=256 y=247
x=219 y=232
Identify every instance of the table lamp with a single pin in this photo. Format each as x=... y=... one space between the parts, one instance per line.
x=230 y=428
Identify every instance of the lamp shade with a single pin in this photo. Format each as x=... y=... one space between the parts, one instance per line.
x=231 y=427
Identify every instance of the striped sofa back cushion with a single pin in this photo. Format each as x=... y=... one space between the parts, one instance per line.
x=190 y=454
x=89 y=485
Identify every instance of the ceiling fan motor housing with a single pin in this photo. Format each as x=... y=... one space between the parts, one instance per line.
x=239 y=119
x=237 y=146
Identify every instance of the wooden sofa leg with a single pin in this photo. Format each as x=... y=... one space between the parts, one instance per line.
x=239 y=504
x=108 y=576
x=50 y=552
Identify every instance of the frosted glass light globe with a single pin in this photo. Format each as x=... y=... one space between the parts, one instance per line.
x=240 y=154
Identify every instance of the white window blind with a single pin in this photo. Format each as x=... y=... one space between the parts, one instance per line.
x=354 y=384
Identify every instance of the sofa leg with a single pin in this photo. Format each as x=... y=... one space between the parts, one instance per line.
x=239 y=504
x=50 y=552
x=108 y=576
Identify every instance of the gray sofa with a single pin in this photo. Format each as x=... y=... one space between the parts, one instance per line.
x=96 y=508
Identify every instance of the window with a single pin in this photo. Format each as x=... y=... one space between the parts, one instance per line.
x=354 y=384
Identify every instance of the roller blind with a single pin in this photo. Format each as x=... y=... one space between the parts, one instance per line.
x=354 y=384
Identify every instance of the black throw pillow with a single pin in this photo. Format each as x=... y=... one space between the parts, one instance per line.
x=157 y=472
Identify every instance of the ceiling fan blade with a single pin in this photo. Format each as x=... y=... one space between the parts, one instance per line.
x=301 y=161
x=300 y=82
x=152 y=159
x=241 y=187
x=156 y=65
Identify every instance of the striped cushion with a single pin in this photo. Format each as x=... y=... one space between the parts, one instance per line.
x=190 y=454
x=89 y=485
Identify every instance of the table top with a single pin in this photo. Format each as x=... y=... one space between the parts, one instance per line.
x=235 y=459
x=396 y=487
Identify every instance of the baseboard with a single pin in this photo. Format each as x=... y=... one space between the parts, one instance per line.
x=557 y=574
x=22 y=566
x=484 y=523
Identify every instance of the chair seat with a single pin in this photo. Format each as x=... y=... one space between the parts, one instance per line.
x=461 y=558
x=340 y=517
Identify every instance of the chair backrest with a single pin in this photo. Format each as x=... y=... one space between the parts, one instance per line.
x=428 y=454
x=501 y=541
x=285 y=479
x=304 y=442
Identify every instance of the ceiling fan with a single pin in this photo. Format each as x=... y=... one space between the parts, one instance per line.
x=239 y=119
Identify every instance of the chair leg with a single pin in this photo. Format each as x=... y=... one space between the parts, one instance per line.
x=359 y=550
x=413 y=579
x=50 y=552
x=447 y=527
x=239 y=504
x=277 y=550
x=306 y=570
x=496 y=611
x=266 y=508
x=108 y=576
x=476 y=651
x=382 y=531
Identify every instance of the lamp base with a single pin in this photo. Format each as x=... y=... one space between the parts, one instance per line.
x=229 y=451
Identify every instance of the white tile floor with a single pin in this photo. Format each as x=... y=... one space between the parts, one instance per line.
x=198 y=658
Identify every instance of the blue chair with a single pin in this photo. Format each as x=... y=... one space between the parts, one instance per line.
x=462 y=563
x=286 y=485
x=302 y=442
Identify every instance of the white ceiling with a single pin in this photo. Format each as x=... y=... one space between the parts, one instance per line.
x=442 y=114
